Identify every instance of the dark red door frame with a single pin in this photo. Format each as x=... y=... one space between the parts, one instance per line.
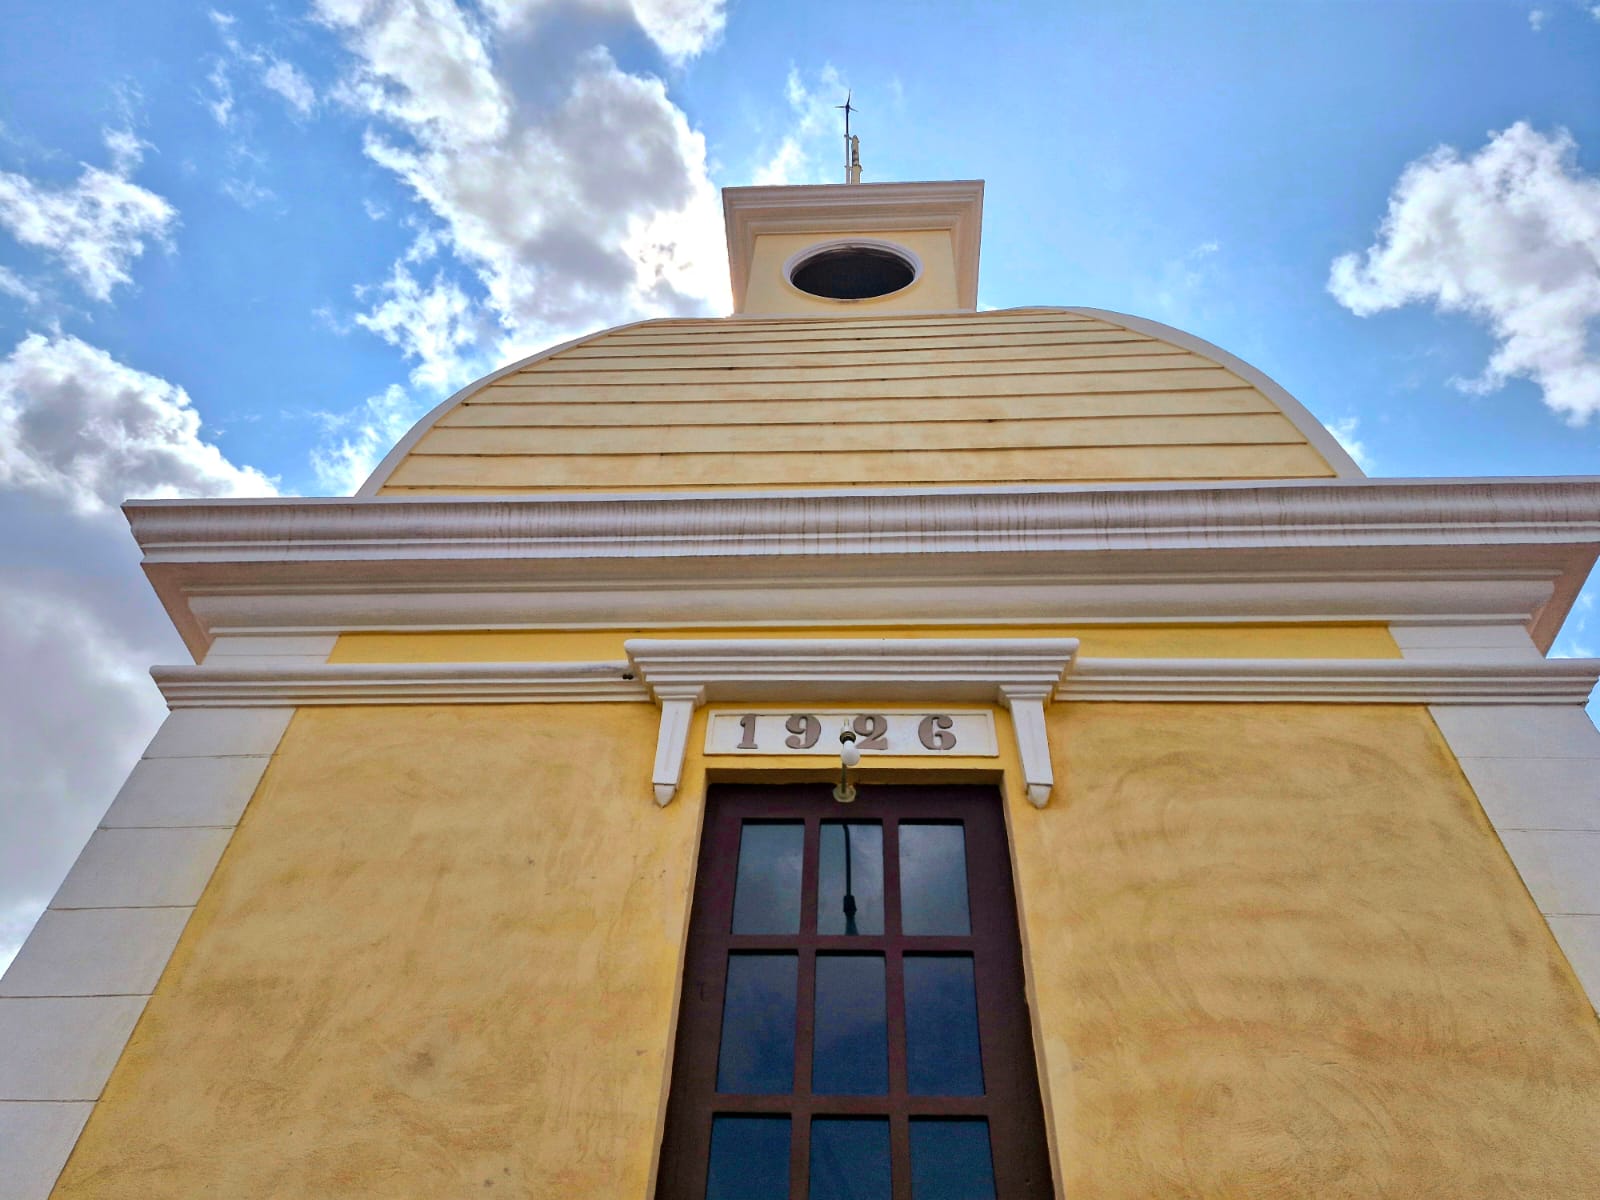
x=1011 y=1102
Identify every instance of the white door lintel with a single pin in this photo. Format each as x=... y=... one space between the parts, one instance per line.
x=1021 y=673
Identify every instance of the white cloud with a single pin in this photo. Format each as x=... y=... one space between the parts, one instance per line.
x=96 y=226
x=424 y=66
x=246 y=193
x=812 y=148
x=1344 y=432
x=287 y=80
x=574 y=193
x=358 y=440
x=1536 y=19
x=220 y=103
x=274 y=73
x=79 y=626
x=12 y=285
x=681 y=29
x=78 y=708
x=1510 y=236
x=80 y=427
x=1185 y=279
x=436 y=325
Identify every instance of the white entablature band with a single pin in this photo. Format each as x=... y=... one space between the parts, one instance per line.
x=1021 y=672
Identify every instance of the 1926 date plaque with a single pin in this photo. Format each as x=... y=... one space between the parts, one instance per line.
x=911 y=732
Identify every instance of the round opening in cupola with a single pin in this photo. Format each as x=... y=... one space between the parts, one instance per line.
x=853 y=270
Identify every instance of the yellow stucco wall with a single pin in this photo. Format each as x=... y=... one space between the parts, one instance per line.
x=1095 y=641
x=1277 y=951
x=1020 y=396
x=438 y=959
x=1274 y=950
x=769 y=291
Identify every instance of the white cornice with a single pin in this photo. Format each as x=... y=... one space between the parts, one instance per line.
x=252 y=684
x=1310 y=513
x=1024 y=674
x=1230 y=680
x=1333 y=681
x=849 y=668
x=822 y=209
x=1436 y=550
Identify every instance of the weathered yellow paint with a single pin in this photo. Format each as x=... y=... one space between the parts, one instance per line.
x=847 y=468
x=593 y=372
x=1278 y=952
x=769 y=291
x=951 y=398
x=1273 y=950
x=1095 y=641
x=904 y=435
x=671 y=414
x=799 y=386
x=439 y=957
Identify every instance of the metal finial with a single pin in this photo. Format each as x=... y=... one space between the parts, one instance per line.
x=852 y=151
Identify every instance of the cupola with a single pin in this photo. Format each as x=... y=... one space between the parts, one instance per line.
x=847 y=249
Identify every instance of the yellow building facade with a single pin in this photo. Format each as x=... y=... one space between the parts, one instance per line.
x=406 y=897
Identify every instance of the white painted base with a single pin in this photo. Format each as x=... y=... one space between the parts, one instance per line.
x=1536 y=771
x=95 y=952
x=63 y=1047
x=35 y=1139
x=72 y=997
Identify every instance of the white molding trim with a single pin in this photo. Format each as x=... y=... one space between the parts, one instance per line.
x=857 y=208
x=1019 y=672
x=256 y=684
x=1003 y=669
x=1333 y=680
x=1023 y=674
x=1435 y=551
x=1344 y=466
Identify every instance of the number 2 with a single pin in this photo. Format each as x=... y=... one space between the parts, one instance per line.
x=872 y=730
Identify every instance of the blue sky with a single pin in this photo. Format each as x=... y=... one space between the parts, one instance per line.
x=242 y=248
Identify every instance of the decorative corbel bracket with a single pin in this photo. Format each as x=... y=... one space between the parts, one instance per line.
x=678 y=702
x=1027 y=703
x=1021 y=673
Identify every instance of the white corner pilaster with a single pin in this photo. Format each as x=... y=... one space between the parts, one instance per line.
x=1033 y=740
x=70 y=1000
x=678 y=703
x=1536 y=772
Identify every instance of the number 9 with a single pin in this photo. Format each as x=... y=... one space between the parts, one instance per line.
x=804 y=730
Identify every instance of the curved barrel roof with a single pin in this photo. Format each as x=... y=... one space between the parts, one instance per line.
x=1020 y=396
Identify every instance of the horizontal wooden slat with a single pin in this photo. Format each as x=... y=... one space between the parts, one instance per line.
x=880 y=321
x=942 y=408
x=765 y=354
x=536 y=472
x=1123 y=343
x=910 y=366
x=899 y=435
x=1059 y=384
x=782 y=332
